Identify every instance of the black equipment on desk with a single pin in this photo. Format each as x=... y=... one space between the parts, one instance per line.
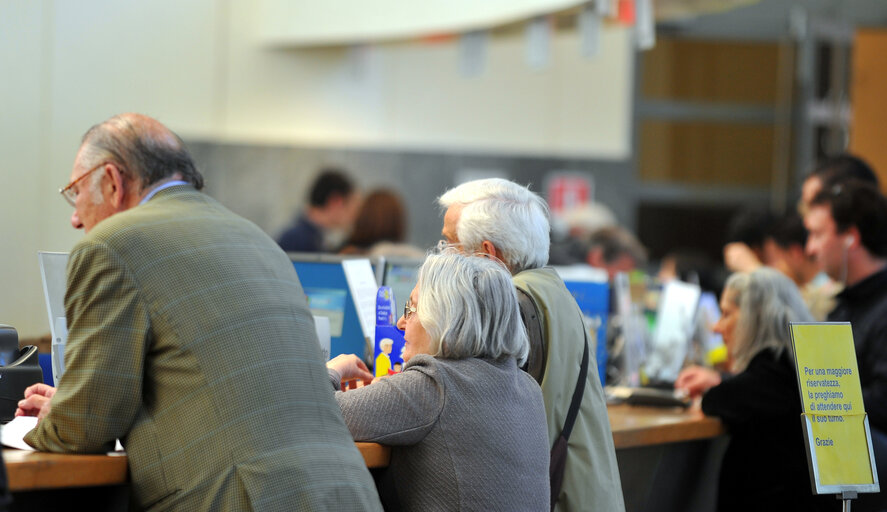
x=18 y=370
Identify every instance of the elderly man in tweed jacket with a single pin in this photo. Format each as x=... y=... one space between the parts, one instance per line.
x=183 y=319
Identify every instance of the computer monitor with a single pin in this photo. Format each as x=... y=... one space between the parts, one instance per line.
x=401 y=275
x=53 y=269
x=673 y=332
x=590 y=288
x=326 y=286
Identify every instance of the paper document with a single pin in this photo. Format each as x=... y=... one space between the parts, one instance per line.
x=363 y=287
x=13 y=433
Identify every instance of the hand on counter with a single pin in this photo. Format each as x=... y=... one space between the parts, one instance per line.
x=695 y=380
x=350 y=368
x=36 y=402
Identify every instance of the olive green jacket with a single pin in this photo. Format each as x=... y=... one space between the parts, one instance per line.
x=190 y=340
x=591 y=476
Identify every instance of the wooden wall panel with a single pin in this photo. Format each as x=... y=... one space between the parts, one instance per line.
x=711 y=71
x=706 y=153
x=868 y=130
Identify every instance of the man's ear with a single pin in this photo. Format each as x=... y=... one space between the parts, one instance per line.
x=115 y=187
x=851 y=236
x=487 y=247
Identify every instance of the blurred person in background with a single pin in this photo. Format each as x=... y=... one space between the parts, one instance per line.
x=466 y=426
x=571 y=229
x=834 y=171
x=615 y=250
x=785 y=250
x=323 y=225
x=765 y=465
x=380 y=228
x=746 y=233
x=848 y=236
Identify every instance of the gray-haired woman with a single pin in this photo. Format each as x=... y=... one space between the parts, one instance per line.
x=765 y=466
x=467 y=427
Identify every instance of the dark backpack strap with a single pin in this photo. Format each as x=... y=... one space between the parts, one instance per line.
x=559 y=451
x=538 y=353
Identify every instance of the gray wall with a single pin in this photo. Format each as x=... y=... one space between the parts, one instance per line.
x=268 y=184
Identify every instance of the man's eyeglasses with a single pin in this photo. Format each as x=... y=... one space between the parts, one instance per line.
x=68 y=191
x=408 y=310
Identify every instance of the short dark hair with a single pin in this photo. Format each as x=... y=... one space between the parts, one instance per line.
x=858 y=204
x=329 y=182
x=143 y=148
x=749 y=226
x=789 y=230
x=842 y=168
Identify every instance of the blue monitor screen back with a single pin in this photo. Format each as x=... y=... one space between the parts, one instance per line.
x=401 y=277
x=328 y=295
x=594 y=301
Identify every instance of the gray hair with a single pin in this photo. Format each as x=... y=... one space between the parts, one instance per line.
x=767 y=302
x=142 y=147
x=94 y=189
x=468 y=306
x=509 y=215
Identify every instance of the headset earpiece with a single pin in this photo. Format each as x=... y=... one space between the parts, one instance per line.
x=849 y=241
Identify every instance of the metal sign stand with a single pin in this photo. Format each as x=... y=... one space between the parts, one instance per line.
x=845 y=498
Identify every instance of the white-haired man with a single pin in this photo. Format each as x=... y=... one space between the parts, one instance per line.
x=502 y=219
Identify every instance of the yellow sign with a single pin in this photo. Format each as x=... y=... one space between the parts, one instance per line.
x=834 y=413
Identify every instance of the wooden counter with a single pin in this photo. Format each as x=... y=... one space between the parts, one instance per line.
x=375 y=455
x=32 y=471
x=635 y=426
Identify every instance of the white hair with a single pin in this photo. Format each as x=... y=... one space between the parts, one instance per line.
x=468 y=306
x=509 y=215
x=767 y=302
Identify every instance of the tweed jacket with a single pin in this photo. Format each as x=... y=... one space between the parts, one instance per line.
x=591 y=476
x=190 y=340
x=466 y=434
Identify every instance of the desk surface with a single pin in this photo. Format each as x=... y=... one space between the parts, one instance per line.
x=31 y=471
x=633 y=426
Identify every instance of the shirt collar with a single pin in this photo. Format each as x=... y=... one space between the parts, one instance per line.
x=158 y=188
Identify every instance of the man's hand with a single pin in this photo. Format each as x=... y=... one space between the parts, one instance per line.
x=350 y=368
x=36 y=402
x=696 y=380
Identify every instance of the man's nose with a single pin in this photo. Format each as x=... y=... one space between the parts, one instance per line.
x=75 y=221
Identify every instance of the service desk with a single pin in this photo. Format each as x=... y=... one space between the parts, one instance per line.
x=41 y=480
x=653 y=447
x=635 y=426
x=669 y=458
